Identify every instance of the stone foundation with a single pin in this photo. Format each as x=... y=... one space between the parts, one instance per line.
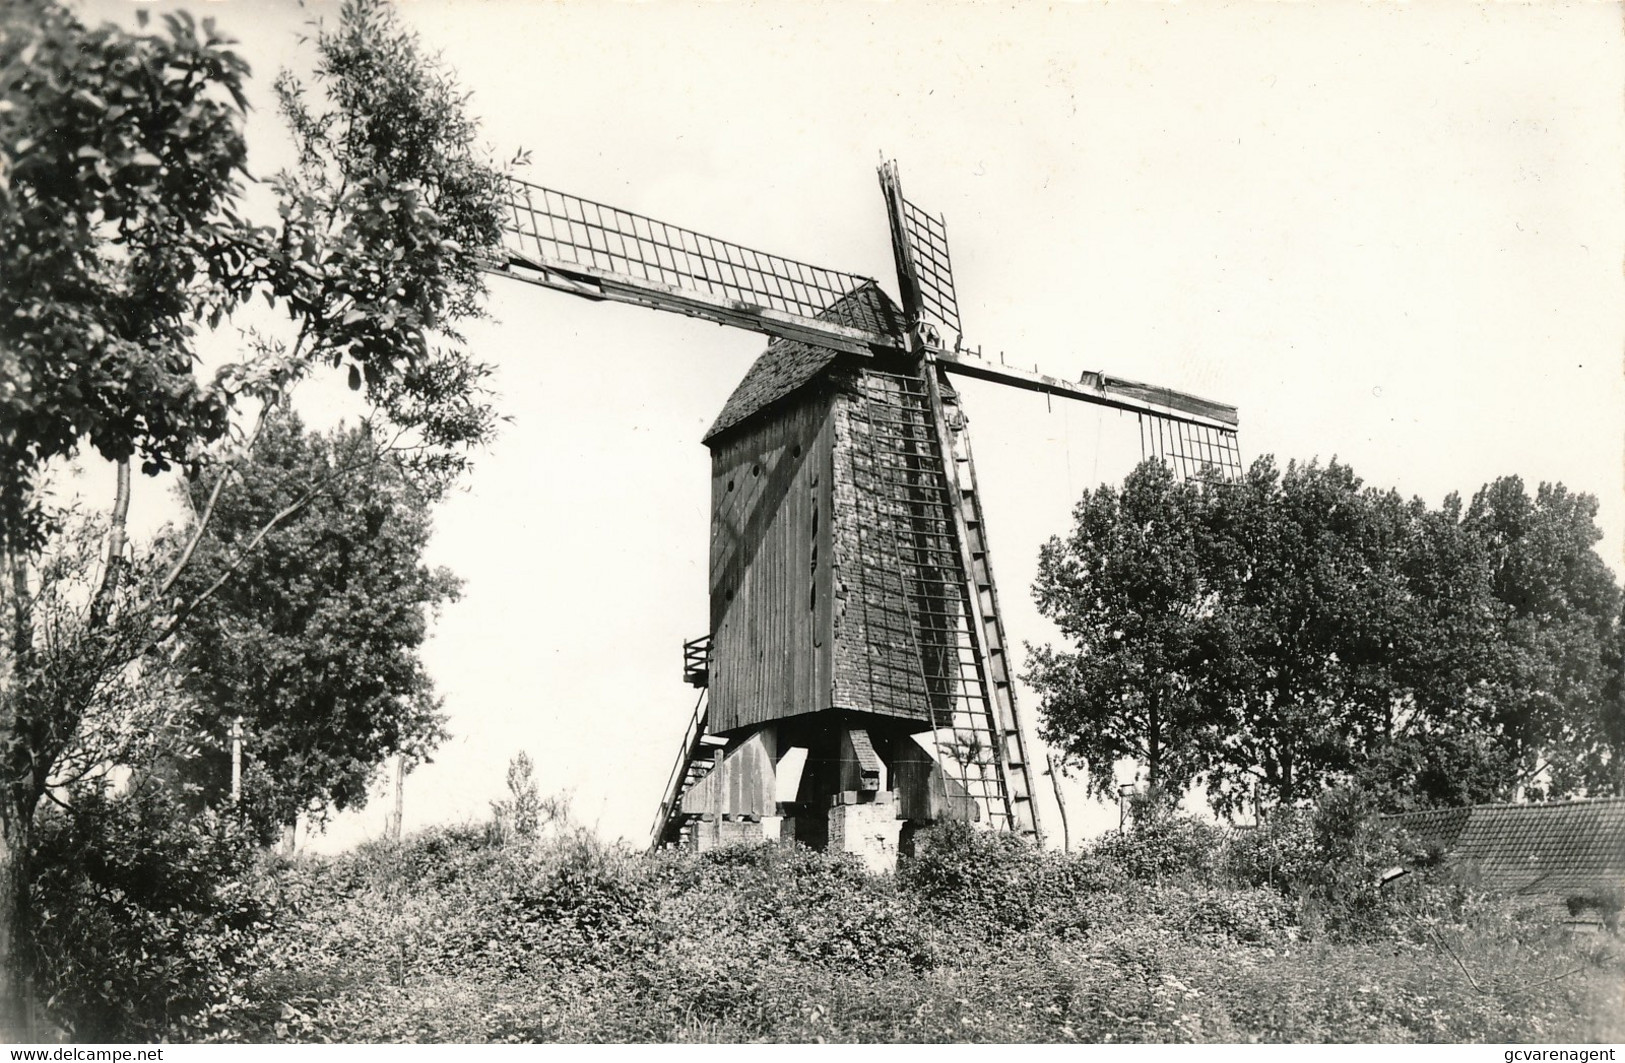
x=868 y=829
x=728 y=830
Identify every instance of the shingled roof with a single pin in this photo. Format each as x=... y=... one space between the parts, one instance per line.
x=786 y=366
x=1563 y=847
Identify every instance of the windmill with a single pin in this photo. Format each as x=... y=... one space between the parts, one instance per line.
x=855 y=682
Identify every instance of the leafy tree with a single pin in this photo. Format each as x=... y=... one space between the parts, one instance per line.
x=314 y=641
x=1320 y=632
x=1559 y=607
x=1130 y=590
x=121 y=234
x=1316 y=612
x=524 y=813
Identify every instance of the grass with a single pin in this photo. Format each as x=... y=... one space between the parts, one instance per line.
x=452 y=938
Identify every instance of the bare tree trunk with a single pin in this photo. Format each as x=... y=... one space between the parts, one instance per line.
x=1153 y=747
x=1060 y=802
x=16 y=1010
x=16 y=1006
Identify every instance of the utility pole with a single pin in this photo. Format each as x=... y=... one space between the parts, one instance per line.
x=236 y=733
x=393 y=827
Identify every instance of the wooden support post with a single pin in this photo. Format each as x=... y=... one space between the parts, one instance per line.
x=1060 y=801
x=236 y=733
x=400 y=787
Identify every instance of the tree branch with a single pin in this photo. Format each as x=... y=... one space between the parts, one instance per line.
x=287 y=513
x=101 y=606
x=208 y=509
x=1448 y=951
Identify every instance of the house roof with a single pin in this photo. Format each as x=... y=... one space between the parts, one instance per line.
x=787 y=365
x=1558 y=847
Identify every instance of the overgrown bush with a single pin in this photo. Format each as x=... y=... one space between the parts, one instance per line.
x=1161 y=844
x=1331 y=858
x=990 y=884
x=147 y=916
x=818 y=908
x=448 y=937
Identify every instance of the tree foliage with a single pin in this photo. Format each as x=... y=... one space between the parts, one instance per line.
x=1127 y=589
x=384 y=219
x=1319 y=631
x=118 y=230
x=1560 y=612
x=314 y=639
x=123 y=235
x=149 y=915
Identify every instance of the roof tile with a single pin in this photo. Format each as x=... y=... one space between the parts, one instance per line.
x=787 y=366
x=1557 y=847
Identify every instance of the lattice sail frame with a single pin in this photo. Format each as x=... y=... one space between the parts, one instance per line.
x=923 y=652
x=1190 y=450
x=928 y=242
x=555 y=228
x=925 y=272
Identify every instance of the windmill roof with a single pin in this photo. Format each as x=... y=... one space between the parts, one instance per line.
x=1558 y=847
x=787 y=365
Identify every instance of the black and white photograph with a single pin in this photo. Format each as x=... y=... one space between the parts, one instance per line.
x=492 y=551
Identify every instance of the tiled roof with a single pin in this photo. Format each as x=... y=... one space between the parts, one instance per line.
x=1436 y=828
x=786 y=366
x=1559 y=847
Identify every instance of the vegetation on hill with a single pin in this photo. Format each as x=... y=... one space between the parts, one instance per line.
x=1176 y=931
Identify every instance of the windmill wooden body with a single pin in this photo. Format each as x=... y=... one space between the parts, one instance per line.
x=855 y=682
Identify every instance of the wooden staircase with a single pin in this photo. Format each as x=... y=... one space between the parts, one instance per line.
x=695 y=759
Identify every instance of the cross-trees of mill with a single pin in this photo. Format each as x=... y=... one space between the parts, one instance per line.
x=855 y=684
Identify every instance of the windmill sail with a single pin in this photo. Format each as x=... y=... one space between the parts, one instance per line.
x=1191 y=450
x=596 y=251
x=924 y=271
x=590 y=249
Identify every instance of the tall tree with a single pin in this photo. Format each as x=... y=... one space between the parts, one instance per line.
x=1131 y=590
x=121 y=233
x=1315 y=608
x=1318 y=631
x=314 y=643
x=1438 y=748
x=1559 y=609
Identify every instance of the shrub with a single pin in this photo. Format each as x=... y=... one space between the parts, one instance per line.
x=570 y=902
x=147 y=915
x=809 y=907
x=988 y=884
x=1331 y=858
x=1162 y=844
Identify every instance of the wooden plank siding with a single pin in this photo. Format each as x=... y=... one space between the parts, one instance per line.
x=804 y=621
x=770 y=566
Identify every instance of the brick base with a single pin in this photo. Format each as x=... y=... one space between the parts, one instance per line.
x=717 y=833
x=867 y=830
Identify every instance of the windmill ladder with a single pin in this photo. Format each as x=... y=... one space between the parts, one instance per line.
x=986 y=622
x=958 y=642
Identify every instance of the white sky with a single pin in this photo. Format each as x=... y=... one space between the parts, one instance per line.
x=1389 y=234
